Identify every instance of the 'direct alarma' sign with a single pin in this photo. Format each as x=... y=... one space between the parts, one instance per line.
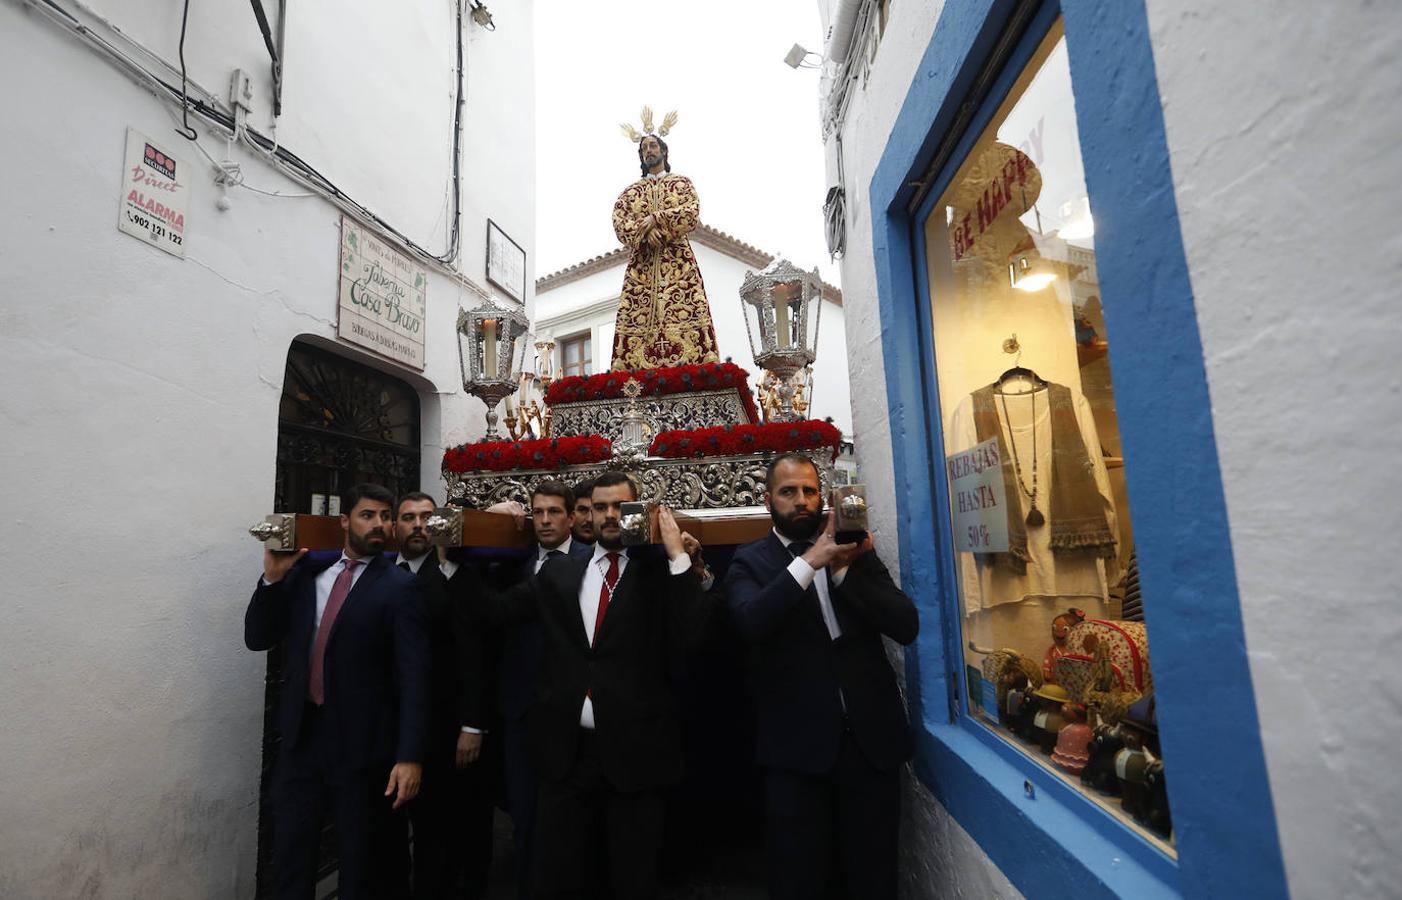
x=155 y=193
x=382 y=297
x=979 y=499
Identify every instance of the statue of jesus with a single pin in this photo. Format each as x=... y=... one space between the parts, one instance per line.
x=663 y=317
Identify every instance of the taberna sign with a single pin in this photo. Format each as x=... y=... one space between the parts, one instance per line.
x=382 y=297
x=155 y=193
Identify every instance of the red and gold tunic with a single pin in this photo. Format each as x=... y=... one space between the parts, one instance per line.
x=663 y=317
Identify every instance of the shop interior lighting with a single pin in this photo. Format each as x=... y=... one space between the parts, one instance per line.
x=1079 y=225
x=1027 y=273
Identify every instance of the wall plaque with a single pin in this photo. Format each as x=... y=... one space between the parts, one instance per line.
x=506 y=263
x=382 y=297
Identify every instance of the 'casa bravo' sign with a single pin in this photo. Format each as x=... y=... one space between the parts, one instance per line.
x=979 y=498
x=382 y=297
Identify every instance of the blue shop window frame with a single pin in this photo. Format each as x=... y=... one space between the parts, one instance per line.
x=1052 y=840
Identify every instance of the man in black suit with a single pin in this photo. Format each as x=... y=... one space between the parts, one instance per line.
x=354 y=704
x=452 y=816
x=552 y=519
x=605 y=734
x=583 y=529
x=832 y=729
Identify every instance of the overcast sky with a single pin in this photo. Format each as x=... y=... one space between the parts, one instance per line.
x=748 y=132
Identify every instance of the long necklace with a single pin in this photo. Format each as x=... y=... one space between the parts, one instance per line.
x=1034 y=515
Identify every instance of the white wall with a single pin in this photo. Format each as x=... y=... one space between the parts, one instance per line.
x=1292 y=241
x=1290 y=231
x=937 y=855
x=141 y=415
x=592 y=302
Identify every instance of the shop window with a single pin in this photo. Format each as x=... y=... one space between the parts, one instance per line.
x=1056 y=656
x=575 y=358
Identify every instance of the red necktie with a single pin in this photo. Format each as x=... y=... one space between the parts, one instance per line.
x=605 y=592
x=316 y=688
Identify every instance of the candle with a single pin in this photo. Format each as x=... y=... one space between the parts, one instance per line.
x=525 y=388
x=781 y=320
x=489 y=332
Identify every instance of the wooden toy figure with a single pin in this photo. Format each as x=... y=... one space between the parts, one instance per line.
x=1073 y=741
x=1132 y=762
x=1156 y=817
x=1017 y=705
x=1048 y=720
x=1061 y=628
x=1099 y=772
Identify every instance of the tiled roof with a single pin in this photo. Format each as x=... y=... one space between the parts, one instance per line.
x=704 y=235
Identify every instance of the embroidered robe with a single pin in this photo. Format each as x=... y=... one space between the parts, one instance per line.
x=663 y=317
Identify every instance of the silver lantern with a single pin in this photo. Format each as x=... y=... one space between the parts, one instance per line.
x=782 y=305
x=491 y=351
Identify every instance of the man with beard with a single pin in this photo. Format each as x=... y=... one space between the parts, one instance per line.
x=832 y=729
x=663 y=317
x=354 y=702
x=605 y=734
x=452 y=815
x=583 y=528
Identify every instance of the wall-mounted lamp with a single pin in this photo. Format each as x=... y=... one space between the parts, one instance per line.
x=797 y=58
x=482 y=16
x=1030 y=273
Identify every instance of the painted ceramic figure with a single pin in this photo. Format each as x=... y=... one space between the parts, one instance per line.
x=1099 y=771
x=1073 y=742
x=1139 y=769
x=1061 y=628
x=1048 y=720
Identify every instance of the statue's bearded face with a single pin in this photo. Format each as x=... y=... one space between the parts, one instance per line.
x=651 y=151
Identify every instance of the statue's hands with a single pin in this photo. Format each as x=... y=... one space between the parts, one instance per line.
x=654 y=239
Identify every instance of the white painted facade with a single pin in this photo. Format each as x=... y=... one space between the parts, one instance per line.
x=1291 y=243
x=142 y=390
x=570 y=305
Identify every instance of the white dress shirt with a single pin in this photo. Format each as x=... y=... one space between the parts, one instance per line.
x=324 y=582
x=542 y=554
x=805 y=575
x=589 y=591
x=447 y=567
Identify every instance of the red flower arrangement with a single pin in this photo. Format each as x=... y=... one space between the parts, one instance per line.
x=740 y=440
x=656 y=383
x=547 y=453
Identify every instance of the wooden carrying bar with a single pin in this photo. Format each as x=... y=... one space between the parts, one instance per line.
x=295 y=531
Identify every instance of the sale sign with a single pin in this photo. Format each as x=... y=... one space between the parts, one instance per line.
x=979 y=499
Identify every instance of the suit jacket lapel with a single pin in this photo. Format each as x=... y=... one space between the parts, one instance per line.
x=812 y=606
x=373 y=570
x=564 y=579
x=304 y=612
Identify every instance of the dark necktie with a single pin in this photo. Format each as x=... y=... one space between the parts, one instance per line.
x=798 y=548
x=606 y=592
x=316 y=688
x=404 y=564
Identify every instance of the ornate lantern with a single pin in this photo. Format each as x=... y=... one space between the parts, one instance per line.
x=782 y=304
x=491 y=351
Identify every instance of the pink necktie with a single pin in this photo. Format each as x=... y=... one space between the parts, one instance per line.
x=316 y=688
